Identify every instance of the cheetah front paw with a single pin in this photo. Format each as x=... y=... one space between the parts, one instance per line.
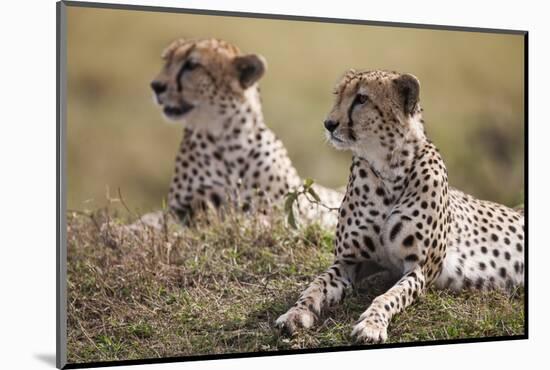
x=294 y=318
x=369 y=331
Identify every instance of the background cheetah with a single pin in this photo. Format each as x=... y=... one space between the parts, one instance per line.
x=400 y=215
x=228 y=154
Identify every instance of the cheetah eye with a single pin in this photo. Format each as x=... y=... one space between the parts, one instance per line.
x=190 y=65
x=361 y=98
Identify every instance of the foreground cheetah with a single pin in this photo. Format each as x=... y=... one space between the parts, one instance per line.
x=400 y=215
x=228 y=154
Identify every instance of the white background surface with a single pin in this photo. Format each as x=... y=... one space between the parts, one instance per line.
x=27 y=182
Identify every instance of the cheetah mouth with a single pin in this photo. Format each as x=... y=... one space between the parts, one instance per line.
x=175 y=112
x=336 y=141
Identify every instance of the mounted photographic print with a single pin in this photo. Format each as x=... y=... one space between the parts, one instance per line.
x=234 y=184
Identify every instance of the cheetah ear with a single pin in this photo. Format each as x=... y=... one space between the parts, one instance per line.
x=170 y=49
x=408 y=89
x=250 y=68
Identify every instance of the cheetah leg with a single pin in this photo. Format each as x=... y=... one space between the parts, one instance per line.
x=373 y=323
x=326 y=290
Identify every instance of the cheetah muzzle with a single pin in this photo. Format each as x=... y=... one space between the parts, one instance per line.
x=400 y=215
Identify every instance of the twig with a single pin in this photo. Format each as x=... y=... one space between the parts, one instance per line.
x=314 y=201
x=123 y=202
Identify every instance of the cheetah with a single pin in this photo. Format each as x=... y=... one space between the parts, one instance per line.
x=228 y=155
x=399 y=214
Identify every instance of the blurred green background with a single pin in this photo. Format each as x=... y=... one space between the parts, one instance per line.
x=471 y=91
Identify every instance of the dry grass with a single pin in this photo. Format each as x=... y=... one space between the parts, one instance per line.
x=217 y=288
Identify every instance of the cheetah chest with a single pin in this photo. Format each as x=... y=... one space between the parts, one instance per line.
x=363 y=216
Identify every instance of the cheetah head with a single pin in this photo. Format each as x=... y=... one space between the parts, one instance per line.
x=374 y=113
x=201 y=80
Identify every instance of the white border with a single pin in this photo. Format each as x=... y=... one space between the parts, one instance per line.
x=28 y=180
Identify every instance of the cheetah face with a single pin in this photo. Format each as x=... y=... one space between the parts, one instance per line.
x=201 y=81
x=373 y=112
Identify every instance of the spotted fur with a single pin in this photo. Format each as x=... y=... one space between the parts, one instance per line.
x=399 y=213
x=228 y=156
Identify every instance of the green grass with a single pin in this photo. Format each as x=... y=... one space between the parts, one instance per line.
x=218 y=288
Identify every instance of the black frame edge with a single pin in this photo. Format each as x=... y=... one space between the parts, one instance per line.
x=58 y=363
x=526 y=178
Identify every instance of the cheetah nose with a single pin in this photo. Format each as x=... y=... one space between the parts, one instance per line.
x=158 y=87
x=331 y=125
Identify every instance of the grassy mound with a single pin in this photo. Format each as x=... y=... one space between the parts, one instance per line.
x=218 y=287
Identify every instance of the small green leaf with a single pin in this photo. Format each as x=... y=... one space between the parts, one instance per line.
x=314 y=194
x=290 y=199
x=292 y=219
x=308 y=183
